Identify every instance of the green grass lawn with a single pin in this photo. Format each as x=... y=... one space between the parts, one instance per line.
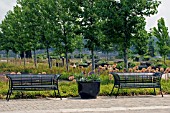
x=70 y=89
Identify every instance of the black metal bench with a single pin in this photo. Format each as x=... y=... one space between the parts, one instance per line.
x=137 y=80
x=32 y=82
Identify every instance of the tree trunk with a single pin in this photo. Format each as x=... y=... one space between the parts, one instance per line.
x=67 y=62
x=35 y=59
x=125 y=50
x=126 y=58
x=107 y=56
x=62 y=61
x=165 y=60
x=48 y=56
x=16 y=56
x=80 y=52
x=24 y=60
x=27 y=54
x=93 y=63
x=7 y=55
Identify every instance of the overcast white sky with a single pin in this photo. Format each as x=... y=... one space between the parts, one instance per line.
x=163 y=11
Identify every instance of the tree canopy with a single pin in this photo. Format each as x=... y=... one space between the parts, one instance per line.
x=123 y=20
x=67 y=25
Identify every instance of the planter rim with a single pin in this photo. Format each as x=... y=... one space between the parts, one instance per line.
x=87 y=81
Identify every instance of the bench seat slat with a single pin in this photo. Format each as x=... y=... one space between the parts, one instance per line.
x=140 y=85
x=36 y=86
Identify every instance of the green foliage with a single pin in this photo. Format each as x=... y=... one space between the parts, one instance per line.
x=161 y=65
x=102 y=62
x=146 y=58
x=120 y=66
x=68 y=89
x=140 y=42
x=105 y=89
x=165 y=86
x=64 y=75
x=5 y=65
x=131 y=64
x=64 y=25
x=91 y=76
x=95 y=57
x=105 y=79
x=41 y=56
x=4 y=88
x=161 y=32
x=124 y=21
x=79 y=55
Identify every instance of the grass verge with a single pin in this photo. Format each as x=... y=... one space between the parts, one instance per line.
x=70 y=89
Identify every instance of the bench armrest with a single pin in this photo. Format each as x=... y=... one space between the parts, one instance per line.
x=56 y=78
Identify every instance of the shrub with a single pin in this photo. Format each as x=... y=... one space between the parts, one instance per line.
x=131 y=64
x=64 y=75
x=146 y=58
x=105 y=79
x=120 y=66
x=79 y=56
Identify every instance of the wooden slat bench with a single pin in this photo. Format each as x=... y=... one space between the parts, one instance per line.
x=137 y=80
x=32 y=82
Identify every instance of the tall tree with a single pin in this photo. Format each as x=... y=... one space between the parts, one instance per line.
x=31 y=14
x=20 y=32
x=66 y=28
x=89 y=22
x=124 y=18
x=161 y=32
x=7 y=40
x=46 y=24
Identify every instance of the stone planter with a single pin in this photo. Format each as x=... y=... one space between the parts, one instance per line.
x=88 y=90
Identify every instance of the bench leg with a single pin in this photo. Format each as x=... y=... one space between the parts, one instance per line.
x=8 y=95
x=161 y=91
x=59 y=94
x=117 y=92
x=22 y=95
x=112 y=90
x=55 y=94
x=154 y=91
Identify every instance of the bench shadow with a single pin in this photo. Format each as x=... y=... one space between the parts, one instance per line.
x=137 y=96
x=79 y=98
x=118 y=97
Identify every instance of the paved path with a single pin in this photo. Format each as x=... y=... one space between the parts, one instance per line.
x=103 y=104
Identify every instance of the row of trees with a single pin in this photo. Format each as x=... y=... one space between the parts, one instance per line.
x=67 y=25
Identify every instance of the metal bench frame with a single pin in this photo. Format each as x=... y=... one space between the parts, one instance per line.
x=32 y=82
x=137 y=80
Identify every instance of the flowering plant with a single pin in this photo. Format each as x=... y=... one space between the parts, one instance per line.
x=91 y=76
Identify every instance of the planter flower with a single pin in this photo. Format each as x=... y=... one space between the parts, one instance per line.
x=91 y=76
x=88 y=85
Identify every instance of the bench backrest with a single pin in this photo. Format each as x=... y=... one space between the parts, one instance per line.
x=32 y=79
x=136 y=78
